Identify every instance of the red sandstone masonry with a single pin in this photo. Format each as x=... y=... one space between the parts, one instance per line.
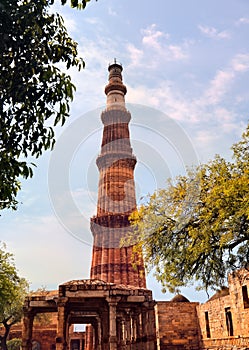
x=177 y=325
x=116 y=195
x=228 y=299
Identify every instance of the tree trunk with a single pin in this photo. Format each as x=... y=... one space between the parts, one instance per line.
x=4 y=337
x=3 y=343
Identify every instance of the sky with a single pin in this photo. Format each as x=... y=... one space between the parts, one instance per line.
x=186 y=68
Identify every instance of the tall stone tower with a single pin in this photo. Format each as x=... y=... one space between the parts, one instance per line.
x=116 y=192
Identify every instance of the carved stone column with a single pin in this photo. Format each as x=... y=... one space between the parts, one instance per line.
x=89 y=337
x=61 y=343
x=139 y=322
x=133 y=328
x=138 y=325
x=151 y=326
x=27 y=329
x=121 y=332
x=112 y=325
x=102 y=327
x=144 y=324
x=98 y=347
x=128 y=330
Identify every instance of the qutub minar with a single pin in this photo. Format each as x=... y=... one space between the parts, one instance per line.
x=116 y=194
x=114 y=303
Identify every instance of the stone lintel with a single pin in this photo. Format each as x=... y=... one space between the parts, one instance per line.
x=41 y=303
x=86 y=294
x=117 y=292
x=135 y=299
x=84 y=313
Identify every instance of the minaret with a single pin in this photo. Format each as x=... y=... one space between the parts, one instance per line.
x=116 y=193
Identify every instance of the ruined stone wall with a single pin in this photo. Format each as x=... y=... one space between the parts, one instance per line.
x=212 y=318
x=44 y=331
x=224 y=319
x=177 y=325
x=43 y=335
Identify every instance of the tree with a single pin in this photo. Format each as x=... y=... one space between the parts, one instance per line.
x=13 y=290
x=34 y=92
x=14 y=344
x=197 y=229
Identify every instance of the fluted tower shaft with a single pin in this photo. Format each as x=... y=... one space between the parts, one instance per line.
x=116 y=193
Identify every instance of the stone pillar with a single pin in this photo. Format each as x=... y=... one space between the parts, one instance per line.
x=128 y=330
x=27 y=329
x=98 y=346
x=94 y=337
x=112 y=325
x=121 y=333
x=89 y=337
x=140 y=345
x=124 y=332
x=138 y=324
x=61 y=343
x=144 y=323
x=133 y=328
x=104 y=320
x=151 y=326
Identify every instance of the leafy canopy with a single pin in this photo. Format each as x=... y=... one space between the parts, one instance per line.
x=34 y=92
x=13 y=290
x=197 y=229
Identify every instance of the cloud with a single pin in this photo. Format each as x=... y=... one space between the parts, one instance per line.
x=243 y=20
x=224 y=79
x=156 y=42
x=229 y=120
x=111 y=12
x=92 y=20
x=151 y=36
x=213 y=33
x=136 y=55
x=208 y=114
x=219 y=86
x=141 y=93
x=240 y=63
x=82 y=196
x=155 y=49
x=167 y=98
x=205 y=137
x=176 y=52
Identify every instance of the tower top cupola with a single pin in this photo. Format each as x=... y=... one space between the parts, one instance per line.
x=115 y=90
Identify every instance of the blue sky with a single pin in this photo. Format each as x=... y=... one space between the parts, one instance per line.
x=186 y=68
